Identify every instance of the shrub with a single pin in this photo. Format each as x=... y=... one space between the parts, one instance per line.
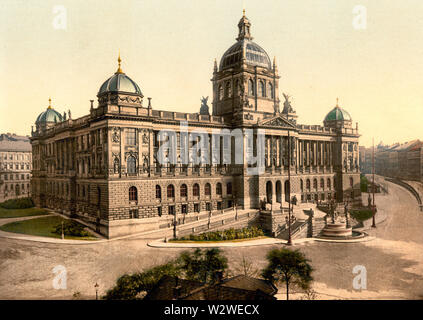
x=71 y=228
x=22 y=203
x=229 y=234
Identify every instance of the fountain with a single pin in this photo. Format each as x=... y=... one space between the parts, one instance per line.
x=339 y=228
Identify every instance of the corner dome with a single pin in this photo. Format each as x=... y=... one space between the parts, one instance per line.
x=120 y=82
x=338 y=114
x=245 y=50
x=50 y=115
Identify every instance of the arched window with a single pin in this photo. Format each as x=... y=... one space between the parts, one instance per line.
x=132 y=165
x=184 y=190
x=158 y=192
x=236 y=87
x=170 y=191
x=315 y=184
x=196 y=190
x=251 y=90
x=229 y=188
x=270 y=90
x=262 y=88
x=322 y=184
x=219 y=189
x=302 y=185
x=308 y=184
x=207 y=189
x=228 y=89
x=328 y=184
x=220 y=92
x=133 y=194
x=351 y=182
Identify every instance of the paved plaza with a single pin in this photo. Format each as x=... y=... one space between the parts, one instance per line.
x=394 y=260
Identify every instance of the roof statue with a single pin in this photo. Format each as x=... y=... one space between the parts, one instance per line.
x=204 y=110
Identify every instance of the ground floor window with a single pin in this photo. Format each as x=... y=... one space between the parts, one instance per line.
x=196 y=207
x=230 y=204
x=133 y=214
x=172 y=210
x=184 y=208
x=208 y=206
x=159 y=211
x=219 y=205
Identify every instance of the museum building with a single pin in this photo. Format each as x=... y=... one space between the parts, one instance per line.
x=103 y=167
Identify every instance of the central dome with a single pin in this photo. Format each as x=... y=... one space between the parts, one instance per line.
x=120 y=82
x=245 y=50
x=253 y=53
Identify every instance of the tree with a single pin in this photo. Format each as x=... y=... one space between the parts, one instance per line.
x=129 y=286
x=204 y=266
x=288 y=266
x=246 y=267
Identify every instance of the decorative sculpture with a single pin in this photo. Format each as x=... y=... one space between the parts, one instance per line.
x=204 y=110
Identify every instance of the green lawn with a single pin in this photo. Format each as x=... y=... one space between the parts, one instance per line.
x=16 y=213
x=362 y=215
x=40 y=227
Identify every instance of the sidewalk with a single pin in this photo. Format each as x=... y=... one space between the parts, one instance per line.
x=249 y=243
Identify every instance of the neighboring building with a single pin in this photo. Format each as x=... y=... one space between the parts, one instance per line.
x=104 y=167
x=236 y=288
x=402 y=161
x=15 y=166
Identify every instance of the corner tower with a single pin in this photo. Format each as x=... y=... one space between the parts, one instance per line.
x=245 y=85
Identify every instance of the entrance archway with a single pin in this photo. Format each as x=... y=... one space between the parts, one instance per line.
x=279 y=192
x=287 y=190
x=269 y=192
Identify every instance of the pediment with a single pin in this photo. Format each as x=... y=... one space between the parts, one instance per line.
x=277 y=121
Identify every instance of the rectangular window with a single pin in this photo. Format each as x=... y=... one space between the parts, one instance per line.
x=208 y=206
x=219 y=205
x=172 y=210
x=159 y=211
x=184 y=208
x=196 y=207
x=131 y=138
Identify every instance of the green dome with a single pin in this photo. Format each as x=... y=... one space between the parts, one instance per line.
x=120 y=82
x=50 y=115
x=338 y=114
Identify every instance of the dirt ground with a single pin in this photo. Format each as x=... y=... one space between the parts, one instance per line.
x=393 y=261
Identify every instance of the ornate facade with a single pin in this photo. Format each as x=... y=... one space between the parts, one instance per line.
x=15 y=166
x=104 y=167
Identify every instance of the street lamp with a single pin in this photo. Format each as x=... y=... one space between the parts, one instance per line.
x=96 y=290
x=373 y=188
x=289 y=190
x=236 y=207
x=174 y=223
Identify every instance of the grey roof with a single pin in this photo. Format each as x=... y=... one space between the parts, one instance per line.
x=50 y=115
x=12 y=142
x=120 y=82
x=254 y=55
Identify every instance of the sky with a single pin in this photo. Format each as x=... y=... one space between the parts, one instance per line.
x=168 y=47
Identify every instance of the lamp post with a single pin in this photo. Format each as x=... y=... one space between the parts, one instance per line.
x=373 y=187
x=289 y=190
x=174 y=223
x=236 y=207
x=210 y=212
x=96 y=290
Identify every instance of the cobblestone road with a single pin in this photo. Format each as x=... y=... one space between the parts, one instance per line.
x=394 y=261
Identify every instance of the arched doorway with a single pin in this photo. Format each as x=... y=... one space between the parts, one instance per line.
x=269 y=192
x=279 y=192
x=287 y=190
